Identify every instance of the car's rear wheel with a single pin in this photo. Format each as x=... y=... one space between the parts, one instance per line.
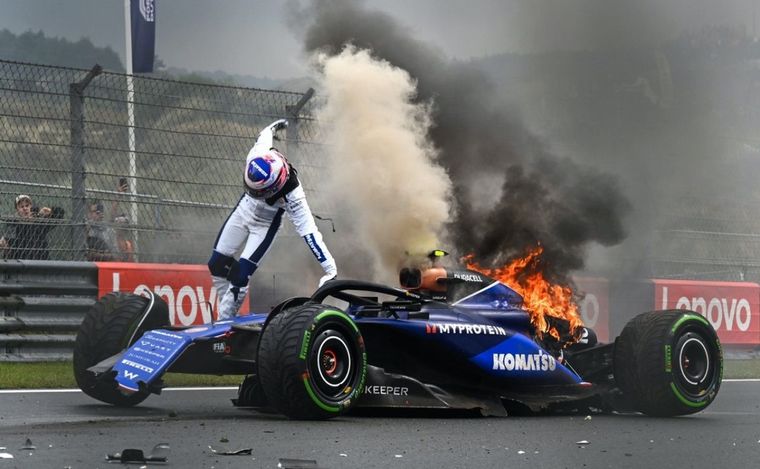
x=311 y=362
x=109 y=327
x=669 y=363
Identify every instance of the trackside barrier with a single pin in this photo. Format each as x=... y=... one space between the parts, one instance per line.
x=733 y=308
x=42 y=303
x=186 y=289
x=594 y=305
x=41 y=306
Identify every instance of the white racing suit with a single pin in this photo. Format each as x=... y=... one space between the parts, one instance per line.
x=253 y=224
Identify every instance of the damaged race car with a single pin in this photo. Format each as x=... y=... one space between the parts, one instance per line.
x=448 y=339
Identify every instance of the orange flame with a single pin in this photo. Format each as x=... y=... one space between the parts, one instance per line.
x=541 y=298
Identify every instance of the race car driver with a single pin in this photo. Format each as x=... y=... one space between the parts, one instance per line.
x=272 y=189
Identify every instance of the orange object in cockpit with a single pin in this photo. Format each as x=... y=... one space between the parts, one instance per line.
x=434 y=279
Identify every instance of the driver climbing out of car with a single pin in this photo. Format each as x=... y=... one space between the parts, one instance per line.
x=272 y=189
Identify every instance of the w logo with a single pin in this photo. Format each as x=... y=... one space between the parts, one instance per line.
x=130 y=375
x=148 y=10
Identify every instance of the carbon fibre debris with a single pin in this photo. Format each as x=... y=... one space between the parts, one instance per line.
x=158 y=455
x=286 y=463
x=226 y=452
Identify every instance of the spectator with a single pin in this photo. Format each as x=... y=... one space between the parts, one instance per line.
x=124 y=242
x=27 y=231
x=101 y=239
x=121 y=188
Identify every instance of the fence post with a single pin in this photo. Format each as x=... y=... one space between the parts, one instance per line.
x=78 y=174
x=293 y=113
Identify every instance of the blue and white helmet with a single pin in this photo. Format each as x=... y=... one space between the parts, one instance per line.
x=266 y=174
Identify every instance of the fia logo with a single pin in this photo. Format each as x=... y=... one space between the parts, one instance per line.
x=219 y=347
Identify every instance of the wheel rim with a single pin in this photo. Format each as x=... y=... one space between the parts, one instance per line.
x=332 y=364
x=694 y=364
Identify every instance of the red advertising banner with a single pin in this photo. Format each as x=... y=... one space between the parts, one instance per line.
x=595 y=309
x=731 y=307
x=186 y=289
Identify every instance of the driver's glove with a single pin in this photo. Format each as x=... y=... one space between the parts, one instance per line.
x=278 y=125
x=326 y=278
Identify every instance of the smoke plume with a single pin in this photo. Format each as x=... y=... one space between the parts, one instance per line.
x=510 y=191
x=382 y=165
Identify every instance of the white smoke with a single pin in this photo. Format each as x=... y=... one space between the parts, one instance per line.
x=383 y=165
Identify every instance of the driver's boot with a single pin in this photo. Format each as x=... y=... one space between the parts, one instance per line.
x=230 y=303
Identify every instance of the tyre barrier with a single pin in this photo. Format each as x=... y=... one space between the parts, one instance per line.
x=42 y=304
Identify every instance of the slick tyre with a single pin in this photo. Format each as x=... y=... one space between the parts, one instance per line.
x=108 y=328
x=676 y=367
x=312 y=363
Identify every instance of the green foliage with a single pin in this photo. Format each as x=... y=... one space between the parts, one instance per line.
x=34 y=47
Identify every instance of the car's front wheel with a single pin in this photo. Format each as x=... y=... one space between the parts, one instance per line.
x=311 y=361
x=111 y=325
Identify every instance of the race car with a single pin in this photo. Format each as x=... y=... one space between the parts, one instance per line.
x=447 y=339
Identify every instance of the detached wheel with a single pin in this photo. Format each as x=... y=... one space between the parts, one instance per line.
x=676 y=367
x=110 y=326
x=312 y=363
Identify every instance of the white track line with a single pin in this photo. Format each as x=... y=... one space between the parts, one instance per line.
x=234 y=388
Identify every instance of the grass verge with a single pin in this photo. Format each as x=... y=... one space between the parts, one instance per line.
x=54 y=375
x=737 y=369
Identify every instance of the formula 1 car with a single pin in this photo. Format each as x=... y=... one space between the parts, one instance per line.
x=449 y=339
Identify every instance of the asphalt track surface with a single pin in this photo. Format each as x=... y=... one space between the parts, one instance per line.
x=70 y=429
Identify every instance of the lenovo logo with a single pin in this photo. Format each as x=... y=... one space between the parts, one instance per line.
x=188 y=304
x=723 y=312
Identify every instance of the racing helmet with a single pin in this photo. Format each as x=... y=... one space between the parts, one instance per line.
x=266 y=174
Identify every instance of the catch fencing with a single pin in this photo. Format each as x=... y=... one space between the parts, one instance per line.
x=70 y=137
x=163 y=158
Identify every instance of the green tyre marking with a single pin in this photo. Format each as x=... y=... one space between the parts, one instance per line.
x=668 y=359
x=316 y=400
x=331 y=312
x=683 y=399
x=688 y=317
x=360 y=386
x=305 y=344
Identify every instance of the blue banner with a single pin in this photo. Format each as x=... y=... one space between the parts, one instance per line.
x=143 y=19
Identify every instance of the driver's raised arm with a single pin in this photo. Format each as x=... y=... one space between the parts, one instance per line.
x=265 y=140
x=297 y=209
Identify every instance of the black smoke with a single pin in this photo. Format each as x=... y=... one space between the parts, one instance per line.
x=552 y=202
x=544 y=198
